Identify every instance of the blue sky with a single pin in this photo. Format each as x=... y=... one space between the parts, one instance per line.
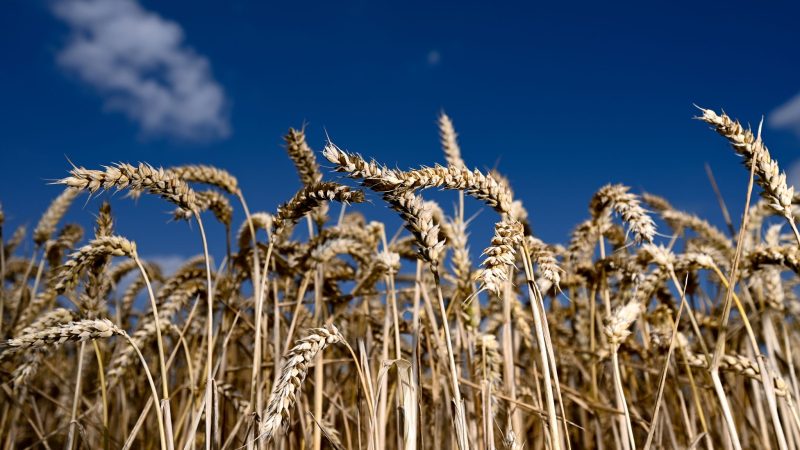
x=563 y=98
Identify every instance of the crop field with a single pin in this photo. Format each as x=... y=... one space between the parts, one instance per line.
x=321 y=328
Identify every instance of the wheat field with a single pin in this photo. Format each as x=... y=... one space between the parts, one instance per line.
x=320 y=328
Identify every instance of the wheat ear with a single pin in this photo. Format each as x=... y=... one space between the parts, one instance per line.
x=54 y=336
x=449 y=140
x=754 y=152
x=210 y=175
x=419 y=220
x=209 y=200
x=294 y=371
x=303 y=157
x=381 y=179
x=143 y=177
x=101 y=247
x=500 y=255
x=49 y=221
x=617 y=198
x=310 y=197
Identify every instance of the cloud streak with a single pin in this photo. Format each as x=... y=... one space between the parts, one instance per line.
x=139 y=63
x=793 y=175
x=787 y=116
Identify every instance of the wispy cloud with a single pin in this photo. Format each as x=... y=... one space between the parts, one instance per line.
x=793 y=175
x=787 y=116
x=139 y=62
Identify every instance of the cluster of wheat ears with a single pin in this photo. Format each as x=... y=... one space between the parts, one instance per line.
x=612 y=341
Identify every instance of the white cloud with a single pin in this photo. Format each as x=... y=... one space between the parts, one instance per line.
x=793 y=175
x=138 y=61
x=787 y=115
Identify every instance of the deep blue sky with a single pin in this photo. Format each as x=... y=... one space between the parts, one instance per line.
x=563 y=98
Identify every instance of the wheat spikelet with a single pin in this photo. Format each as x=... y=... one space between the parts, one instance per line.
x=130 y=294
x=292 y=376
x=763 y=209
x=489 y=362
x=679 y=220
x=49 y=319
x=40 y=302
x=104 y=225
x=303 y=157
x=383 y=263
x=617 y=198
x=357 y=167
x=449 y=140
x=27 y=369
x=310 y=197
x=699 y=259
x=209 y=200
x=418 y=218
x=49 y=221
x=261 y=221
x=125 y=176
x=753 y=150
x=773 y=289
x=186 y=273
x=97 y=286
x=331 y=434
x=651 y=283
x=363 y=241
x=617 y=327
x=582 y=241
x=122 y=268
x=69 y=235
x=737 y=364
x=329 y=249
x=474 y=183
x=544 y=259
x=54 y=336
x=658 y=254
x=380 y=179
x=207 y=175
x=33 y=359
x=500 y=255
x=98 y=248
x=13 y=242
x=775 y=255
x=658 y=203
